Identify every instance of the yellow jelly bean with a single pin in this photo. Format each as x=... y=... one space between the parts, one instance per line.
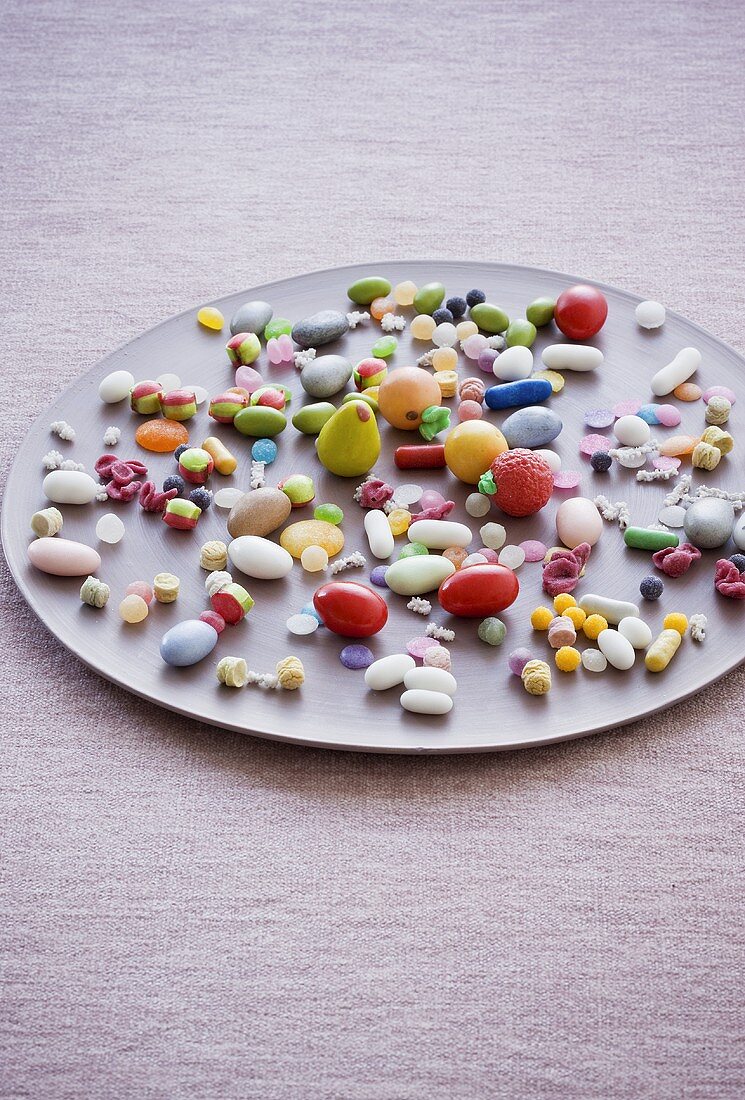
x=211 y=318
x=399 y=520
x=225 y=462
x=662 y=650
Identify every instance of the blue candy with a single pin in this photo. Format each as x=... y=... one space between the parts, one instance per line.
x=649 y=413
x=188 y=642
x=532 y=427
x=310 y=609
x=510 y=395
x=264 y=450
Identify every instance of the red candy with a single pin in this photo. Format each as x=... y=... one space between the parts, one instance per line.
x=350 y=609
x=153 y=501
x=562 y=572
x=436 y=511
x=420 y=456
x=123 y=492
x=676 y=560
x=375 y=493
x=523 y=482
x=123 y=472
x=214 y=620
x=478 y=591
x=728 y=580
x=580 y=311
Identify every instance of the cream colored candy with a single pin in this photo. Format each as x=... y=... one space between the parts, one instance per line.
x=260 y=558
x=430 y=679
x=133 y=609
x=213 y=555
x=677 y=371
x=232 y=671
x=613 y=611
x=618 y=650
x=46 y=523
x=94 y=592
x=636 y=631
x=418 y=574
x=388 y=672
x=379 y=534
x=69 y=487
x=578 y=357
x=439 y=534
x=165 y=587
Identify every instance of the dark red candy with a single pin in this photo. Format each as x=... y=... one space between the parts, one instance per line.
x=420 y=456
x=123 y=492
x=478 y=591
x=580 y=311
x=728 y=580
x=350 y=609
x=154 y=501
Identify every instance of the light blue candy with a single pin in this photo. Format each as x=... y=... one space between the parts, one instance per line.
x=510 y=395
x=649 y=413
x=187 y=643
x=532 y=427
x=264 y=450
x=309 y=609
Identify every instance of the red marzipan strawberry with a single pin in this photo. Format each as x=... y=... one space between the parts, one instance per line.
x=523 y=481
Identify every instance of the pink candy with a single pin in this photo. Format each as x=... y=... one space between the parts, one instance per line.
x=469 y=410
x=280 y=349
x=533 y=550
x=437 y=657
x=140 y=588
x=214 y=619
x=719 y=391
x=728 y=580
x=627 y=408
x=430 y=498
x=123 y=492
x=375 y=493
x=489 y=554
x=592 y=443
x=109 y=466
x=676 y=560
x=248 y=379
x=153 y=501
x=436 y=511
x=566 y=479
x=417 y=647
x=666 y=463
x=668 y=416
x=562 y=572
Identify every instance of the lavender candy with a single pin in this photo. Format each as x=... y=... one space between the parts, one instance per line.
x=356 y=656
x=377 y=576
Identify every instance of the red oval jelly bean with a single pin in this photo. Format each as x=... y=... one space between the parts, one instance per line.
x=478 y=591
x=351 y=609
x=426 y=456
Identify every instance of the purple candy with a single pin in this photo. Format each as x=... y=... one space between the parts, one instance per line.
x=248 y=378
x=533 y=550
x=356 y=656
x=668 y=416
x=666 y=463
x=566 y=479
x=627 y=408
x=488 y=553
x=719 y=391
x=518 y=659
x=430 y=498
x=417 y=647
x=377 y=576
x=599 y=418
x=486 y=360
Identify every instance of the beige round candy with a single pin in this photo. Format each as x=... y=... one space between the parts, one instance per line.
x=404 y=293
x=314 y=559
x=133 y=609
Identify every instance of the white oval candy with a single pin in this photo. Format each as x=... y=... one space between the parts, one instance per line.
x=379 y=534
x=426 y=702
x=636 y=631
x=677 y=371
x=551 y=458
x=650 y=314
x=618 y=650
x=513 y=364
x=578 y=520
x=439 y=534
x=389 y=671
x=580 y=357
x=418 y=574
x=631 y=431
x=738 y=533
x=69 y=487
x=431 y=679
x=260 y=558
x=116 y=386
x=611 y=610
x=110 y=529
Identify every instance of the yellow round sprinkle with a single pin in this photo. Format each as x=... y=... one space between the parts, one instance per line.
x=541 y=618
x=568 y=658
x=399 y=520
x=577 y=616
x=556 y=380
x=422 y=327
x=563 y=601
x=676 y=620
x=445 y=359
x=466 y=329
x=211 y=318
x=593 y=626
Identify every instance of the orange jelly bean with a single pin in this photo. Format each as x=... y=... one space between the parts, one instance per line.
x=381 y=306
x=456 y=554
x=679 y=445
x=687 y=391
x=161 y=435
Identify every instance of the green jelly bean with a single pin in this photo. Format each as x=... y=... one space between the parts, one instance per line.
x=310 y=419
x=279 y=326
x=645 y=538
x=541 y=311
x=520 y=332
x=429 y=297
x=413 y=550
x=489 y=318
x=360 y=397
x=384 y=347
x=260 y=420
x=329 y=513
x=368 y=289
x=492 y=631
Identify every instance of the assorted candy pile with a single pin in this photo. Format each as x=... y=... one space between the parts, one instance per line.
x=511 y=470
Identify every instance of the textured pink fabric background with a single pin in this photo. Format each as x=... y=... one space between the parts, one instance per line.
x=187 y=913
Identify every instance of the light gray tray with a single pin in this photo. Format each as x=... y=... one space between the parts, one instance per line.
x=334 y=709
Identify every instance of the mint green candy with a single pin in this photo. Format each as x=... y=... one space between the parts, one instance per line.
x=366 y=290
x=329 y=513
x=384 y=347
x=360 y=397
x=280 y=326
x=261 y=421
x=413 y=550
x=489 y=318
x=310 y=419
x=520 y=333
x=541 y=311
x=645 y=538
x=492 y=631
x=429 y=297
